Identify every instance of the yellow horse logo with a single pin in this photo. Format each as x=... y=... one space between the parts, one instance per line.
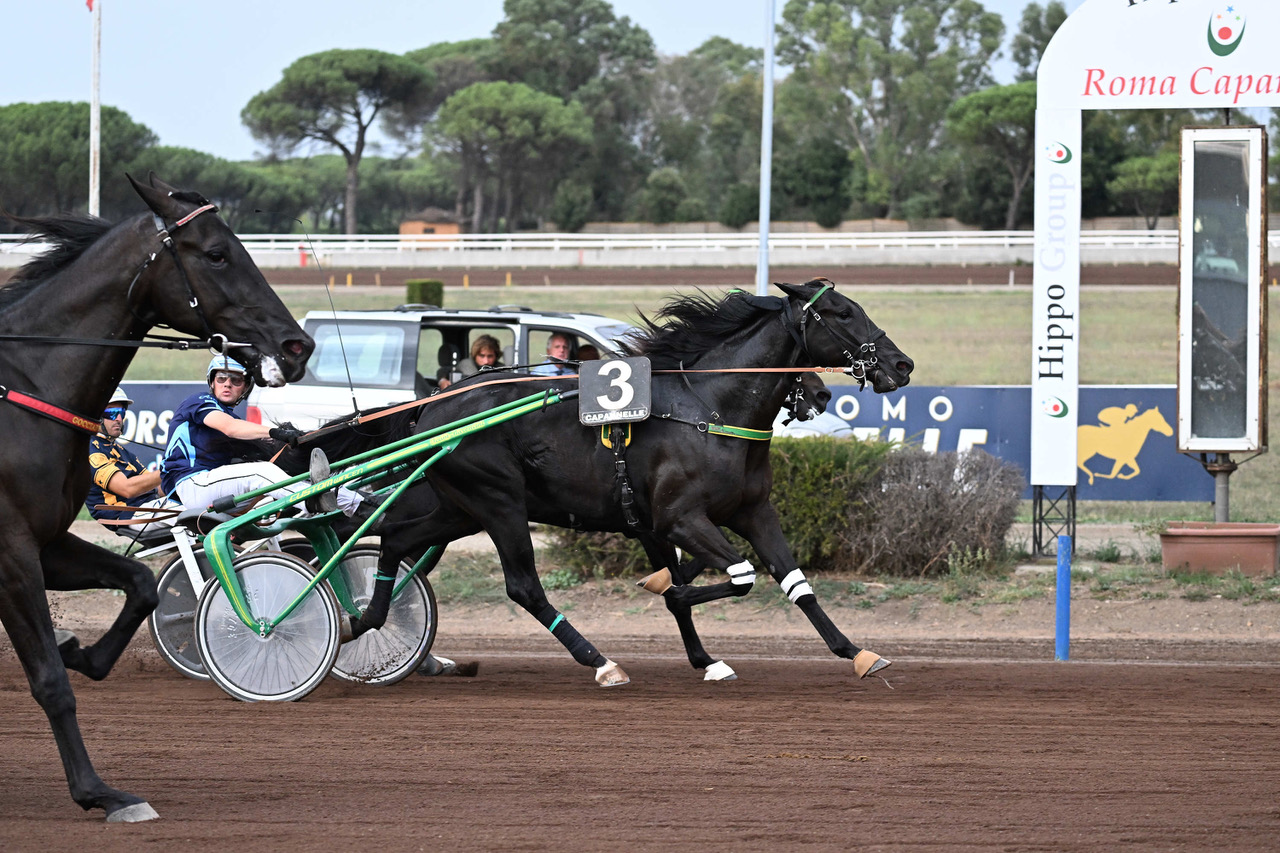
x=1119 y=439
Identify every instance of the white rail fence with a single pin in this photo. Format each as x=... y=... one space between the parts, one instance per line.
x=662 y=250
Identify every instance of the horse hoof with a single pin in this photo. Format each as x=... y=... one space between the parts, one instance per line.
x=436 y=665
x=136 y=813
x=658 y=582
x=346 y=631
x=720 y=671
x=65 y=639
x=611 y=675
x=865 y=663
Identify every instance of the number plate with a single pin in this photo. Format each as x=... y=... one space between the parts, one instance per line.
x=615 y=391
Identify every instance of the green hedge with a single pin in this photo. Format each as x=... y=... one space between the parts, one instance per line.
x=817 y=485
x=424 y=291
x=869 y=507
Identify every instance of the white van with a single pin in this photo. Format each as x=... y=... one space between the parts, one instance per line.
x=367 y=359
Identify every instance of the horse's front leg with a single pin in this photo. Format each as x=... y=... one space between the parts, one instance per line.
x=759 y=525
x=24 y=612
x=70 y=563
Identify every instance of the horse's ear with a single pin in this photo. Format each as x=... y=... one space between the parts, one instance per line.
x=159 y=184
x=789 y=289
x=157 y=197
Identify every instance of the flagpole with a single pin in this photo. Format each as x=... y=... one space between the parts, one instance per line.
x=766 y=155
x=95 y=117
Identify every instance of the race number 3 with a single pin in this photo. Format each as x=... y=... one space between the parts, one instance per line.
x=615 y=391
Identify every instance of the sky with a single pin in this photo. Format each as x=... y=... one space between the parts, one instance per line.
x=186 y=69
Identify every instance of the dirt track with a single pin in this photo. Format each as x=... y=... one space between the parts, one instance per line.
x=531 y=755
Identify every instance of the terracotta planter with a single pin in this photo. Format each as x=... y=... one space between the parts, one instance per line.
x=1217 y=547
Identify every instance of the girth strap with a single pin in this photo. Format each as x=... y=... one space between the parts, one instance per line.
x=50 y=411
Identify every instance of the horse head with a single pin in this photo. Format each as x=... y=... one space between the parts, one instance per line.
x=218 y=291
x=809 y=397
x=1156 y=421
x=833 y=329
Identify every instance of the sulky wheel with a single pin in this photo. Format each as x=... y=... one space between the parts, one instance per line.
x=289 y=662
x=172 y=623
x=390 y=653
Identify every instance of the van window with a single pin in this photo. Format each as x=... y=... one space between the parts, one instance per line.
x=373 y=353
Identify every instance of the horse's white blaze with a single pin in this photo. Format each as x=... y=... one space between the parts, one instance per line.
x=271 y=373
x=720 y=671
x=742 y=573
x=794 y=585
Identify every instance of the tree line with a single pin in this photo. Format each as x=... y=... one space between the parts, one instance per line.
x=566 y=114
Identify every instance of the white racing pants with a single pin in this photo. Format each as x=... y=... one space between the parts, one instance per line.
x=202 y=489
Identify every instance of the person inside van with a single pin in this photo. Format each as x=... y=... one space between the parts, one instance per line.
x=485 y=355
x=557 y=357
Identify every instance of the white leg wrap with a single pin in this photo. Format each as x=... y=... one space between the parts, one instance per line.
x=794 y=585
x=742 y=573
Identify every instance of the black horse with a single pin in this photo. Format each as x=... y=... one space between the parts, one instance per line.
x=60 y=316
x=692 y=467
x=807 y=398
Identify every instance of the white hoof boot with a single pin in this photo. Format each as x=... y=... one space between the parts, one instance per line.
x=136 y=813
x=62 y=637
x=865 y=663
x=611 y=675
x=436 y=665
x=720 y=671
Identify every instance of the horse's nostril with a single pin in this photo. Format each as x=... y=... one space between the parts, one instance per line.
x=905 y=366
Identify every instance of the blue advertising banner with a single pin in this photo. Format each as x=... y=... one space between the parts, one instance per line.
x=1126 y=445
x=1127 y=450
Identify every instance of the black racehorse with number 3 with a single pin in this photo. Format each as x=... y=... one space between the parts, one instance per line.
x=700 y=461
x=70 y=323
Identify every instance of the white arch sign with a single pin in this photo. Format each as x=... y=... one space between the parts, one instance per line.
x=1119 y=54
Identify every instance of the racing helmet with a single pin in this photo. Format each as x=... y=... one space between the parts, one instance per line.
x=119 y=397
x=225 y=363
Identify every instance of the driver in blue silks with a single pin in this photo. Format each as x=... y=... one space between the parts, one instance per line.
x=207 y=437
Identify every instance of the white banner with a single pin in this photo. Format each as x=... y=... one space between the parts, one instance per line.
x=1119 y=54
x=1055 y=303
x=1161 y=54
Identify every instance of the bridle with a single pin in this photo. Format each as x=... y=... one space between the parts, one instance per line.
x=216 y=342
x=860 y=365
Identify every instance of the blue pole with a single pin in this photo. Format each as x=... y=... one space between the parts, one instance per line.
x=1062 y=622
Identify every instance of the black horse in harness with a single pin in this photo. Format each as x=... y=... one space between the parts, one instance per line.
x=699 y=463
x=70 y=323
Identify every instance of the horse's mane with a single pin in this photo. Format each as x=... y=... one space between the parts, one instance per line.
x=687 y=326
x=70 y=235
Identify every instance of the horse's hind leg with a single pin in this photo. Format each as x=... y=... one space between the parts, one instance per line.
x=24 y=611
x=759 y=525
x=71 y=563
x=510 y=535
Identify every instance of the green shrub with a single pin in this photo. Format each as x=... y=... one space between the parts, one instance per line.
x=865 y=506
x=424 y=291
x=816 y=481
